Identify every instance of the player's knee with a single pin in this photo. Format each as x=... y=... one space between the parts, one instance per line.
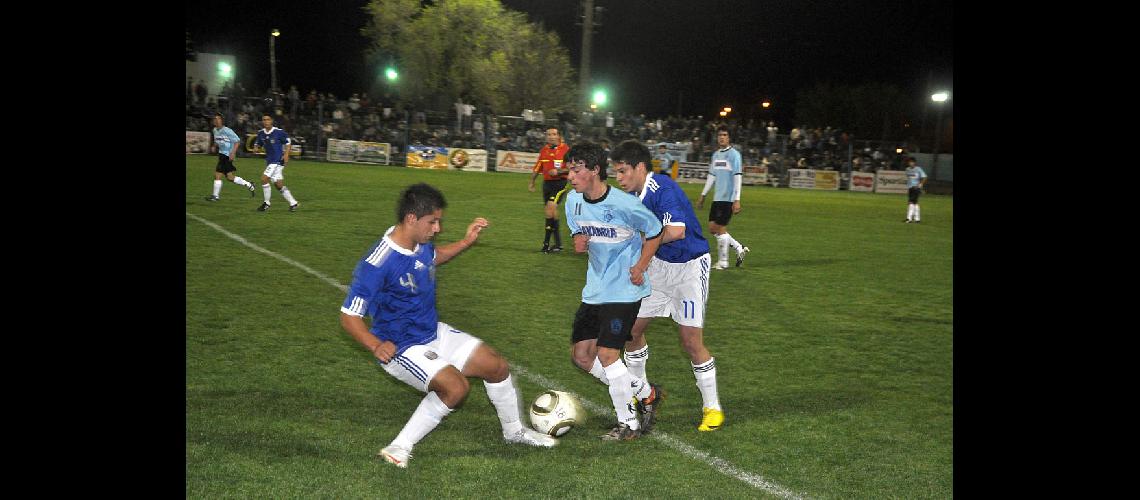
x=451 y=387
x=582 y=360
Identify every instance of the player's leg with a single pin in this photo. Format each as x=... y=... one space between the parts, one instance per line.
x=550 y=209
x=236 y=179
x=270 y=171
x=285 y=189
x=557 y=231
x=615 y=324
x=718 y=231
x=217 y=185
x=917 y=208
x=445 y=386
x=693 y=292
x=583 y=342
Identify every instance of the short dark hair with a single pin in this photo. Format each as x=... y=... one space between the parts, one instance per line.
x=632 y=152
x=723 y=128
x=219 y=113
x=592 y=154
x=419 y=200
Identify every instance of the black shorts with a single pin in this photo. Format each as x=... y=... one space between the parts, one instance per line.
x=550 y=191
x=912 y=194
x=611 y=324
x=225 y=165
x=721 y=212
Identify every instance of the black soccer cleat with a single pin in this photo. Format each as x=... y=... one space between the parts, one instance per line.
x=252 y=190
x=293 y=207
x=211 y=198
x=649 y=406
x=264 y=206
x=555 y=249
x=545 y=248
x=621 y=432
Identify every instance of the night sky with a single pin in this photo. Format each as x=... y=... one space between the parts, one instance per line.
x=654 y=56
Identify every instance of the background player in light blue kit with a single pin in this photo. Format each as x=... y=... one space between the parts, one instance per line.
x=394 y=284
x=725 y=172
x=679 y=275
x=226 y=142
x=621 y=236
x=277 y=146
x=915 y=181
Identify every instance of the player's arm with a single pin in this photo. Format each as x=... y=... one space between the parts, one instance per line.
x=652 y=229
x=537 y=170
x=737 y=181
x=922 y=178
x=288 y=147
x=710 y=179
x=581 y=241
x=449 y=251
x=236 y=145
x=352 y=319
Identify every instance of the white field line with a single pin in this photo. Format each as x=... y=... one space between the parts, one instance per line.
x=719 y=464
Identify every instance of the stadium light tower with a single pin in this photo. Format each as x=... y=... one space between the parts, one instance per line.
x=225 y=70
x=600 y=97
x=273 y=59
x=939 y=99
x=391 y=74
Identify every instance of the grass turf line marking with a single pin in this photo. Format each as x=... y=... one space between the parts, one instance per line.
x=720 y=464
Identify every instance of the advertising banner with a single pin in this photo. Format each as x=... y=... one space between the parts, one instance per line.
x=692 y=173
x=801 y=178
x=863 y=181
x=197 y=142
x=890 y=181
x=515 y=161
x=827 y=179
x=434 y=157
x=754 y=175
x=359 y=152
x=467 y=160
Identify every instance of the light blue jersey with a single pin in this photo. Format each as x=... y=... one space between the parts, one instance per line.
x=914 y=175
x=274 y=142
x=724 y=165
x=666 y=162
x=668 y=202
x=614 y=223
x=225 y=139
x=396 y=288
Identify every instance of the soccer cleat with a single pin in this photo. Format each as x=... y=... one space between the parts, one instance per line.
x=251 y=190
x=211 y=198
x=649 y=406
x=712 y=420
x=545 y=248
x=907 y=221
x=740 y=255
x=264 y=206
x=916 y=221
x=532 y=437
x=293 y=207
x=721 y=265
x=396 y=455
x=555 y=249
x=621 y=432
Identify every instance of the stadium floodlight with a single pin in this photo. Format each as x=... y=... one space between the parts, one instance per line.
x=766 y=104
x=940 y=96
x=728 y=109
x=391 y=74
x=225 y=69
x=600 y=97
x=275 y=32
x=723 y=113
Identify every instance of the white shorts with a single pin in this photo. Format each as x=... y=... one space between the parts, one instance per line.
x=418 y=364
x=275 y=172
x=679 y=290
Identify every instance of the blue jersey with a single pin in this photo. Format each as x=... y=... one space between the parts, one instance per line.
x=724 y=165
x=396 y=288
x=614 y=224
x=668 y=202
x=274 y=143
x=914 y=176
x=225 y=139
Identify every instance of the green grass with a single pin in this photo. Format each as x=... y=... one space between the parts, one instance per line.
x=833 y=346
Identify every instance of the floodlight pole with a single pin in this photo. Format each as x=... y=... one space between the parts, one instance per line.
x=273 y=59
x=587 y=31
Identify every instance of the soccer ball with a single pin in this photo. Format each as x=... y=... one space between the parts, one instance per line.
x=556 y=412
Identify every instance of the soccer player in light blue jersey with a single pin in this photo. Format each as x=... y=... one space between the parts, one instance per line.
x=679 y=274
x=621 y=236
x=226 y=142
x=277 y=146
x=725 y=172
x=915 y=181
x=394 y=285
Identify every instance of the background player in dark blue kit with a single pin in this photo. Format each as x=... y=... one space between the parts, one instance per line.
x=277 y=146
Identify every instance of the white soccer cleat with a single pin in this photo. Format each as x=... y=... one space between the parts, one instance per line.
x=721 y=265
x=396 y=455
x=532 y=437
x=740 y=255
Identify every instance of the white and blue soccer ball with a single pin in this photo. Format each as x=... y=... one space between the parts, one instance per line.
x=556 y=412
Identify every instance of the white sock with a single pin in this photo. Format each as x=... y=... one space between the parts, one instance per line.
x=600 y=373
x=735 y=244
x=242 y=182
x=635 y=363
x=621 y=394
x=910 y=211
x=917 y=211
x=504 y=397
x=706 y=382
x=427 y=415
x=217 y=187
x=722 y=248
x=265 y=189
x=288 y=196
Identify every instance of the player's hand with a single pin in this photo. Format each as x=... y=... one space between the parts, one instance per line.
x=636 y=275
x=581 y=243
x=701 y=202
x=384 y=351
x=475 y=228
x=736 y=208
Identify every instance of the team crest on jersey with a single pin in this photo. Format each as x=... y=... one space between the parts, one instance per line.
x=608 y=215
x=431 y=355
x=615 y=326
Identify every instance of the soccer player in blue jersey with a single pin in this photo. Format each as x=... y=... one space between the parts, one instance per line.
x=394 y=284
x=679 y=274
x=277 y=146
x=620 y=235
x=226 y=142
x=915 y=181
x=725 y=172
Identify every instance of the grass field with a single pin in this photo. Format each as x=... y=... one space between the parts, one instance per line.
x=834 y=348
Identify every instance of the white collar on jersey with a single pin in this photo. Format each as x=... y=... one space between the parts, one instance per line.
x=270 y=131
x=645 y=187
x=725 y=149
x=396 y=247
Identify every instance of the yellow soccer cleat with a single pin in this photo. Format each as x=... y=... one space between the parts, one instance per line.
x=711 y=421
